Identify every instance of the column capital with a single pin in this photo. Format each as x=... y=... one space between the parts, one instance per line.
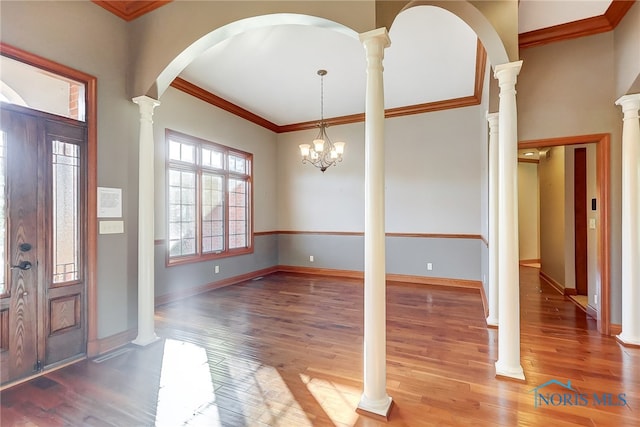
x=630 y=104
x=146 y=106
x=146 y=102
x=492 y=118
x=507 y=72
x=379 y=35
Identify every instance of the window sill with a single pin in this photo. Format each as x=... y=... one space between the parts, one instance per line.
x=172 y=262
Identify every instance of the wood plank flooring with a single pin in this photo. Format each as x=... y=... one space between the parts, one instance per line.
x=286 y=350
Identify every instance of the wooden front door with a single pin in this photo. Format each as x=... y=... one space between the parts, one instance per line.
x=42 y=237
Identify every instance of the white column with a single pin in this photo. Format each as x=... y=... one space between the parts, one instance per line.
x=630 y=220
x=374 y=397
x=492 y=320
x=146 y=332
x=508 y=364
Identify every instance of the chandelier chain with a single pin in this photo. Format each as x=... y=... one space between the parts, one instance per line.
x=321 y=98
x=322 y=153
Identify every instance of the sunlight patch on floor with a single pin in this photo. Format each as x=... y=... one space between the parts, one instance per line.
x=276 y=398
x=338 y=401
x=186 y=389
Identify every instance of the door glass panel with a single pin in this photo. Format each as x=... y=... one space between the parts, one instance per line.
x=3 y=210
x=66 y=227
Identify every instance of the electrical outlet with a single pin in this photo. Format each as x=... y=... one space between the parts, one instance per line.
x=595 y=299
x=429 y=266
x=310 y=258
x=216 y=269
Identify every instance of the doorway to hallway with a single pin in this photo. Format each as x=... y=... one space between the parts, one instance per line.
x=574 y=254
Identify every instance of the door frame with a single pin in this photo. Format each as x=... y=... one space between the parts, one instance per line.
x=91 y=84
x=603 y=186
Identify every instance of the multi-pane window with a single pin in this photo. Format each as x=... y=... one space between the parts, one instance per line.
x=208 y=199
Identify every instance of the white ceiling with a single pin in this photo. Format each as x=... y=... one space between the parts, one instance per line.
x=272 y=71
x=537 y=14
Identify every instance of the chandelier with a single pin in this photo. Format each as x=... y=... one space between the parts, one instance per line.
x=322 y=153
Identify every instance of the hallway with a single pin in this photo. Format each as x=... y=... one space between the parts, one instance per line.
x=286 y=351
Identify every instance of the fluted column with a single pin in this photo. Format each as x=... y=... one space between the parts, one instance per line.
x=146 y=331
x=374 y=397
x=630 y=220
x=508 y=364
x=492 y=320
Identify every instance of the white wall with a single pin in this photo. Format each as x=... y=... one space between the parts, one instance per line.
x=434 y=172
x=528 y=211
x=433 y=177
x=310 y=200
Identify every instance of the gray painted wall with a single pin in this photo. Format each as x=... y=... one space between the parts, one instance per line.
x=329 y=251
x=182 y=277
x=451 y=258
x=552 y=214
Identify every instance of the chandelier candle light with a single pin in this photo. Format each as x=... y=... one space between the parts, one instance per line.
x=324 y=153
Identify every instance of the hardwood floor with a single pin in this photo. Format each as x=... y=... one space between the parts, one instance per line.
x=286 y=351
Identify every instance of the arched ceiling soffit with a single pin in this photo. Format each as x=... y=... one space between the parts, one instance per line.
x=494 y=22
x=635 y=87
x=219 y=35
x=162 y=44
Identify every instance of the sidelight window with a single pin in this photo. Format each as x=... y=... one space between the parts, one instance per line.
x=3 y=208
x=66 y=213
x=208 y=199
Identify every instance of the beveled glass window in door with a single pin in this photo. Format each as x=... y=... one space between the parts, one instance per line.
x=66 y=202
x=3 y=208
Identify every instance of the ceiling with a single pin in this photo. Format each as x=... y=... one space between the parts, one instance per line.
x=272 y=72
x=269 y=75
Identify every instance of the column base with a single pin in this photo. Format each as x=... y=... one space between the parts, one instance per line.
x=513 y=372
x=492 y=322
x=628 y=341
x=145 y=341
x=379 y=409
